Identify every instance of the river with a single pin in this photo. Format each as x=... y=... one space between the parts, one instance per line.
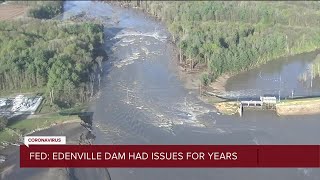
x=143 y=101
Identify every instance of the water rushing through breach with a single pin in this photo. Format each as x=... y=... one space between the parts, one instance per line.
x=142 y=101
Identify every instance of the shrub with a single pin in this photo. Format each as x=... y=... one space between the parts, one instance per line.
x=205 y=79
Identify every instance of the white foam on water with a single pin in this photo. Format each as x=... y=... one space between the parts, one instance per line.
x=154 y=35
x=124 y=44
x=255 y=140
x=128 y=40
x=221 y=131
x=123 y=63
x=114 y=48
x=145 y=50
x=305 y=171
x=128 y=60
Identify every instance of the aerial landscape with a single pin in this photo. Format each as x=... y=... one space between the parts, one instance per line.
x=153 y=72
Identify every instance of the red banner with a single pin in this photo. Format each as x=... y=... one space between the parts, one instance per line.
x=170 y=156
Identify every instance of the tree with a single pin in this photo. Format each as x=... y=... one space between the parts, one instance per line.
x=48 y=55
x=233 y=36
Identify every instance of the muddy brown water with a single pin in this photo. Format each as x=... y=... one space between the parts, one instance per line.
x=142 y=101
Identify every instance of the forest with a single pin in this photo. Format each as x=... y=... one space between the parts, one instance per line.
x=229 y=37
x=59 y=57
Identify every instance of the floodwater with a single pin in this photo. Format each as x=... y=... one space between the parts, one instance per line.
x=142 y=101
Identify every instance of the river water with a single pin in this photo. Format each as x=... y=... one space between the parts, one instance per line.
x=280 y=75
x=142 y=101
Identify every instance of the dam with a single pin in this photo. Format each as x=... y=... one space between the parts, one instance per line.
x=265 y=102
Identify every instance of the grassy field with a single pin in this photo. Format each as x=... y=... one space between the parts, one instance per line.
x=23 y=127
x=46 y=108
x=42 y=121
x=7 y=135
x=27 y=92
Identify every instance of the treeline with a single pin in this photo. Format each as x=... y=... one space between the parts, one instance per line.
x=60 y=57
x=229 y=37
x=315 y=66
x=312 y=72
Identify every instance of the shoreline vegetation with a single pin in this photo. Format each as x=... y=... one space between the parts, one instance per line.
x=227 y=39
x=61 y=60
x=217 y=40
x=312 y=72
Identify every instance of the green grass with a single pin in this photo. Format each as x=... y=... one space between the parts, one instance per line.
x=28 y=125
x=7 y=135
x=76 y=109
x=25 y=126
x=45 y=108
x=26 y=91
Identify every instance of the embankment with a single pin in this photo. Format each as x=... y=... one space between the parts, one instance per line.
x=299 y=107
x=303 y=106
x=227 y=108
